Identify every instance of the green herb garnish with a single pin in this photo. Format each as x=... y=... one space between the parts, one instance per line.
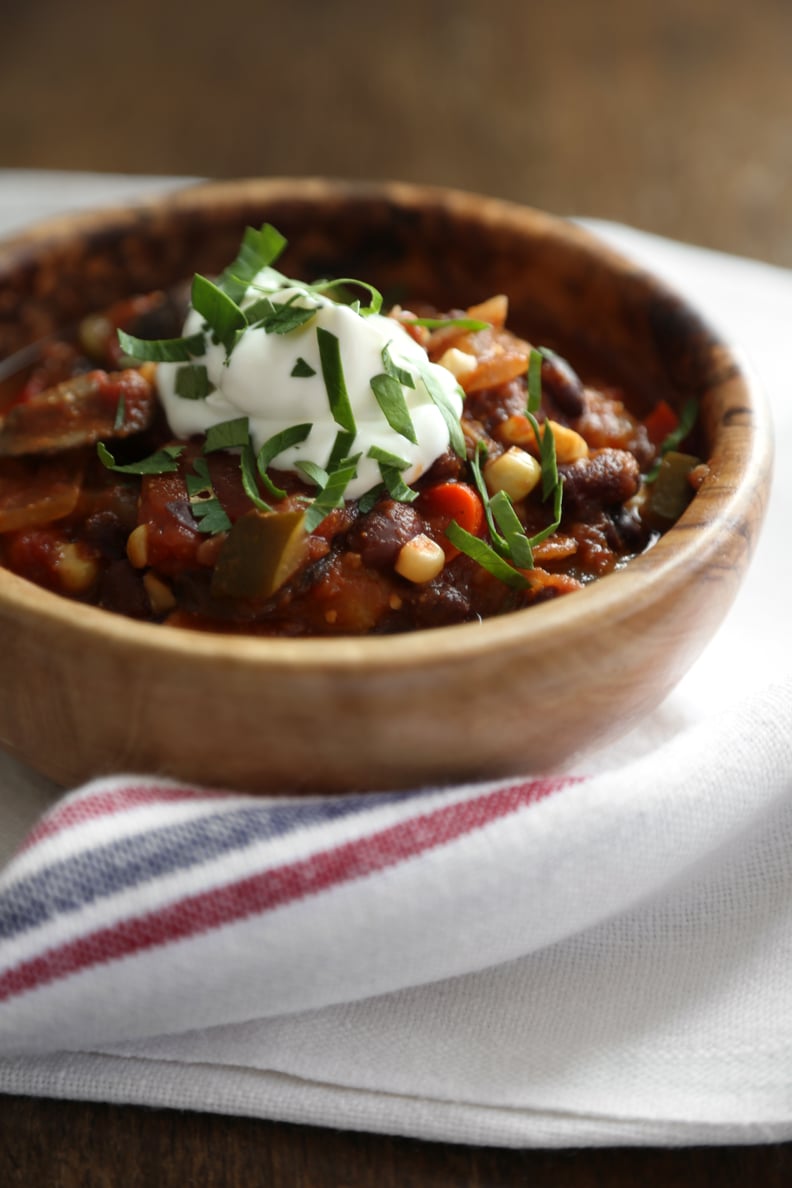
x=229 y=435
x=248 y=471
x=534 y=381
x=162 y=350
x=341 y=447
x=302 y=369
x=120 y=413
x=370 y=498
x=375 y=304
x=442 y=323
x=207 y=510
x=391 y=467
x=279 y=317
x=331 y=495
x=333 y=376
x=398 y=373
x=221 y=313
x=444 y=404
x=485 y=556
x=545 y=440
x=210 y=516
x=276 y=445
x=517 y=543
x=192 y=382
x=164 y=461
x=509 y=540
x=390 y=397
x=499 y=541
x=687 y=419
x=260 y=248
x=315 y=473
x=232 y=435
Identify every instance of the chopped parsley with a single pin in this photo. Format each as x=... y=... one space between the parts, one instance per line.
x=511 y=547
x=120 y=413
x=398 y=373
x=162 y=350
x=333 y=376
x=192 y=382
x=228 y=435
x=248 y=471
x=222 y=316
x=390 y=397
x=302 y=369
x=279 y=317
x=276 y=445
x=442 y=323
x=260 y=249
x=687 y=419
x=444 y=404
x=375 y=303
x=486 y=556
x=391 y=468
x=207 y=510
x=331 y=494
x=164 y=461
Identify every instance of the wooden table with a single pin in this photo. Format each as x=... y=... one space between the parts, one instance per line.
x=71 y=1145
x=671 y=117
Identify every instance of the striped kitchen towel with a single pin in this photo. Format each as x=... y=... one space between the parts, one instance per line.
x=126 y=871
x=432 y=962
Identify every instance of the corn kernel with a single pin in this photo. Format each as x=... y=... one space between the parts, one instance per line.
x=76 y=572
x=517 y=430
x=137 y=546
x=459 y=363
x=95 y=332
x=161 y=597
x=420 y=560
x=515 y=472
x=569 y=445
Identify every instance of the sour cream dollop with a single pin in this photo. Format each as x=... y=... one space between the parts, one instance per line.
x=257 y=381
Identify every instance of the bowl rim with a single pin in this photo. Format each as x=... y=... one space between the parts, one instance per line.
x=689 y=546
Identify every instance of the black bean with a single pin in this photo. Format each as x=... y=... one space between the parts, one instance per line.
x=379 y=535
x=122 y=590
x=562 y=385
x=606 y=478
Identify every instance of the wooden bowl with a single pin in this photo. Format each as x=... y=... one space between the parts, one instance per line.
x=85 y=692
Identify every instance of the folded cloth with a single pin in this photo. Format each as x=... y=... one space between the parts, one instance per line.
x=602 y=957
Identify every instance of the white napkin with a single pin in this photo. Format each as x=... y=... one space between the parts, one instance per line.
x=600 y=959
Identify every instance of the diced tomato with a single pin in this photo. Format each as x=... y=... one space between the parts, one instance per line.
x=661 y=421
x=34 y=554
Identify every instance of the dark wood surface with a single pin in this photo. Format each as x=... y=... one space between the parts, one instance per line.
x=673 y=117
x=66 y=1145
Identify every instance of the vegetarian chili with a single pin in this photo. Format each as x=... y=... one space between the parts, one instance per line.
x=143 y=471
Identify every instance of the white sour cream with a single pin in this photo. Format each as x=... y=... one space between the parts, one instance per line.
x=256 y=381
